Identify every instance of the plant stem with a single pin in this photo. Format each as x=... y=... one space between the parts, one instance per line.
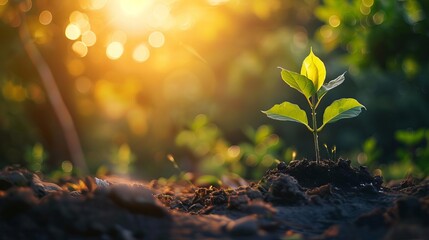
x=315 y=137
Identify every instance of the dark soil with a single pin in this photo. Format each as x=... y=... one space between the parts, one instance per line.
x=302 y=200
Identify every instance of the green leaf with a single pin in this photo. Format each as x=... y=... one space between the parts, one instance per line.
x=331 y=85
x=341 y=109
x=287 y=111
x=298 y=82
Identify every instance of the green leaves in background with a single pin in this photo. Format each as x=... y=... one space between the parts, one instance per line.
x=287 y=111
x=330 y=85
x=298 y=82
x=341 y=109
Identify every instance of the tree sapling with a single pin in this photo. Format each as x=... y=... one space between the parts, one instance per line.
x=311 y=84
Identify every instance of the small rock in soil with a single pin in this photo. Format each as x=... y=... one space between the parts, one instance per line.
x=43 y=188
x=101 y=183
x=137 y=199
x=12 y=178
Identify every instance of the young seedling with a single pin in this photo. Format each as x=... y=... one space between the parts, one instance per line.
x=311 y=84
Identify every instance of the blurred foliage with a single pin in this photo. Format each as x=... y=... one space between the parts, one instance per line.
x=213 y=155
x=388 y=34
x=411 y=155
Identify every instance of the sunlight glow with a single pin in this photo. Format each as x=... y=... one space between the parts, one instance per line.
x=139 y=16
x=217 y=2
x=114 y=50
x=135 y=7
x=118 y=36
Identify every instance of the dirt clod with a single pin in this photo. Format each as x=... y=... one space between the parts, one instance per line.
x=283 y=189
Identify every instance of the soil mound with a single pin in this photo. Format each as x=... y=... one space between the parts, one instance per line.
x=339 y=173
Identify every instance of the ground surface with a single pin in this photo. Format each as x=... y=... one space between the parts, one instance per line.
x=301 y=200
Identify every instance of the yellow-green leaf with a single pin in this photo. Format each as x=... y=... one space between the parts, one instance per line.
x=314 y=69
x=298 y=82
x=287 y=111
x=341 y=109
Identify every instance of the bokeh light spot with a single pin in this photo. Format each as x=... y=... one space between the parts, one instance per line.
x=80 y=48
x=42 y=36
x=234 y=151
x=14 y=92
x=45 y=17
x=334 y=21
x=81 y=20
x=378 y=17
x=141 y=53
x=368 y=3
x=89 y=38
x=3 y=2
x=156 y=39
x=72 y=31
x=365 y=10
x=25 y=5
x=114 y=50
x=83 y=85
x=75 y=67
x=67 y=166
x=326 y=32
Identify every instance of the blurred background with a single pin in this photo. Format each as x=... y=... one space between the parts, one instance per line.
x=161 y=88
